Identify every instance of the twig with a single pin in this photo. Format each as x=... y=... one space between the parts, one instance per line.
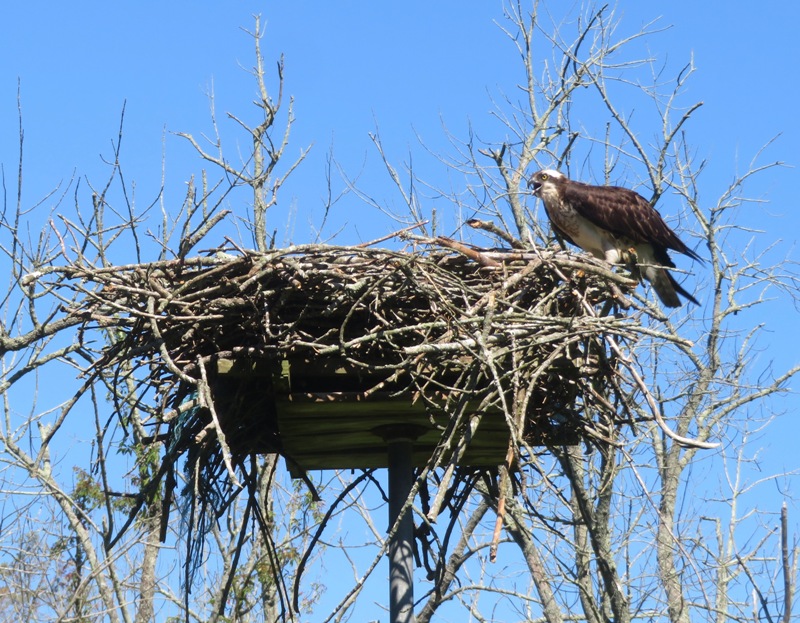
x=494 y=229
x=207 y=400
x=395 y=234
x=473 y=254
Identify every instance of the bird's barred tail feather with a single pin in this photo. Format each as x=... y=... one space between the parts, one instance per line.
x=667 y=288
x=677 y=287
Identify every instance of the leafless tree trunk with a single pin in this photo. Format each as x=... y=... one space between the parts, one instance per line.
x=259 y=172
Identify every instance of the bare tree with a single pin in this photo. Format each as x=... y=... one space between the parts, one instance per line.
x=258 y=173
x=594 y=511
x=615 y=528
x=92 y=543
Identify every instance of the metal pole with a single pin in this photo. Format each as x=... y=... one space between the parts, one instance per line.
x=401 y=555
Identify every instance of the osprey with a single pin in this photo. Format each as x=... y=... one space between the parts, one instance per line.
x=615 y=224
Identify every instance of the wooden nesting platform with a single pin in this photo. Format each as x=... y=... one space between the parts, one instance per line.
x=327 y=421
x=345 y=430
x=328 y=415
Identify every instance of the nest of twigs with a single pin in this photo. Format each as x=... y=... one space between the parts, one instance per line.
x=456 y=331
x=522 y=333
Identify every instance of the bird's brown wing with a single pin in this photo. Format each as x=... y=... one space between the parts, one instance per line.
x=624 y=212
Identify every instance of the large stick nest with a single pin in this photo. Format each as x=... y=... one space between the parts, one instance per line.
x=510 y=331
x=459 y=331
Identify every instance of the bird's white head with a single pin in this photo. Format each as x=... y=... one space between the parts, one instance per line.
x=545 y=180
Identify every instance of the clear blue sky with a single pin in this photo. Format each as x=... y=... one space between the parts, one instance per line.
x=353 y=66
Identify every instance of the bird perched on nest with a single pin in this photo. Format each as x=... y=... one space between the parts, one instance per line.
x=615 y=224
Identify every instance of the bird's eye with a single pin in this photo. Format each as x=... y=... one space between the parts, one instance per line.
x=544 y=177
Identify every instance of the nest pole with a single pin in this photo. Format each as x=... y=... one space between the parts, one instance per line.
x=400 y=449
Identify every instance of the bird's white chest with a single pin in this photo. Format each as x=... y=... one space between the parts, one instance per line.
x=583 y=232
x=596 y=241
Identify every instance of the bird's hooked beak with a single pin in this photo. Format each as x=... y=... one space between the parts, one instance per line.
x=532 y=183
